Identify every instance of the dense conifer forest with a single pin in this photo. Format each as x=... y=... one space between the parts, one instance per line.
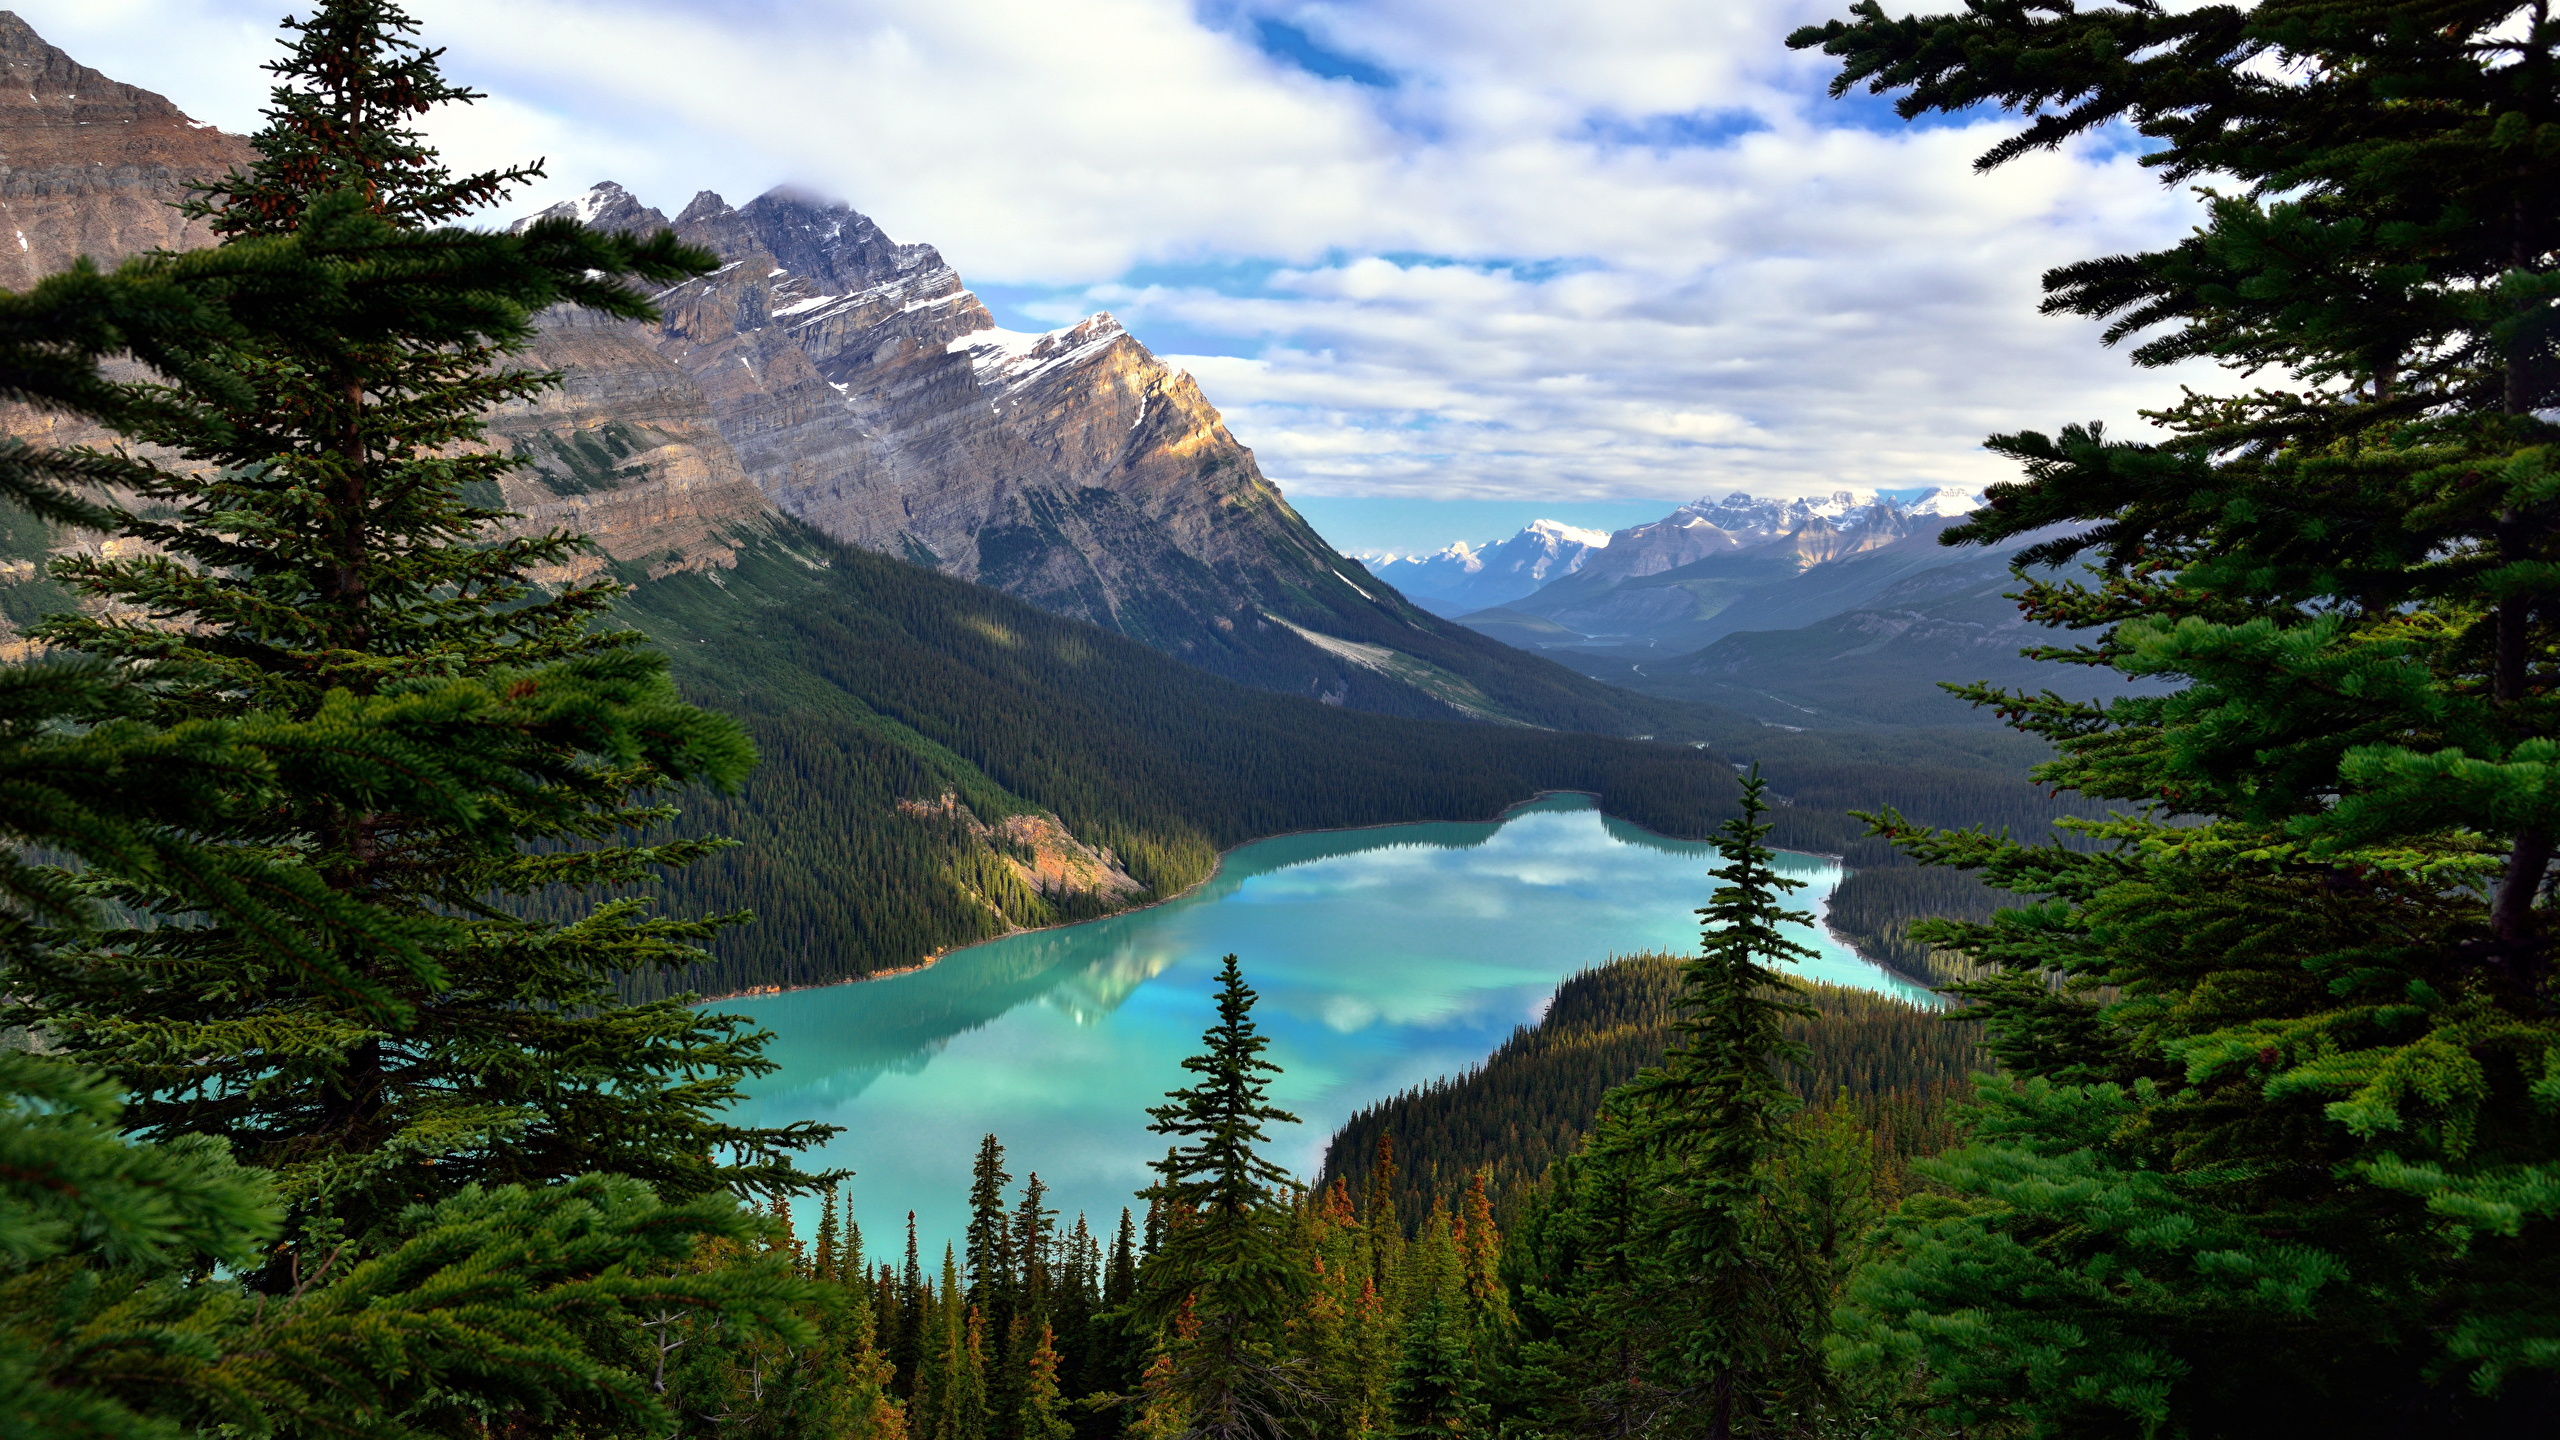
x=1896 y=1066
x=866 y=682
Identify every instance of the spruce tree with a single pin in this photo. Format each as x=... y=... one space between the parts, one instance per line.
x=990 y=1240
x=314 y=554
x=1728 y=1274
x=1222 y=1278
x=484 y=1309
x=2287 y=1151
x=1041 y=1415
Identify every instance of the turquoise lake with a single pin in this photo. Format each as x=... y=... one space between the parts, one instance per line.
x=1385 y=958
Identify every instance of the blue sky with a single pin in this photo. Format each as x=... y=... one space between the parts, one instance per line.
x=1447 y=258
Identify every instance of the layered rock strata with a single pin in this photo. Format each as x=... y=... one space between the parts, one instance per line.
x=89 y=166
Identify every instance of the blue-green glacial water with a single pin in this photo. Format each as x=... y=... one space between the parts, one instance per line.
x=1384 y=957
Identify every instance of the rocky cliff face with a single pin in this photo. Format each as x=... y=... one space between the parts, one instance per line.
x=89 y=166
x=626 y=453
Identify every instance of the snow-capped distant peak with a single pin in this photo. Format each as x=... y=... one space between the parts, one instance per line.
x=595 y=202
x=1568 y=534
x=1943 y=502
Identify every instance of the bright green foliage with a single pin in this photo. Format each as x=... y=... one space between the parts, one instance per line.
x=824 y=1379
x=70 y=1186
x=316 y=558
x=482 y=1307
x=2289 y=1154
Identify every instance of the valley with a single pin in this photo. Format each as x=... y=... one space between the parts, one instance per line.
x=640 y=820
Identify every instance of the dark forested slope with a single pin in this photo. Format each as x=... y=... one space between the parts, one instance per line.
x=1531 y=1102
x=875 y=689
x=1086 y=772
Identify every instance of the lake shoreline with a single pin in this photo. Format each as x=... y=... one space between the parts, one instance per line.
x=758 y=991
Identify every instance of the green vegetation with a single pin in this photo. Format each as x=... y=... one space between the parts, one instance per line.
x=274 y=825
x=2285 y=1068
x=865 y=682
x=1896 y=1067
x=2271 y=1149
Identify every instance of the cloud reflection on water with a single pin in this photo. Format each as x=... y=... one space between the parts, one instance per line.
x=1384 y=958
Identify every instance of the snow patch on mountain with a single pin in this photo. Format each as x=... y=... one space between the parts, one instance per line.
x=1470 y=576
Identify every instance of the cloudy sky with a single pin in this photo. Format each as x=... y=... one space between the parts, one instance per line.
x=1509 y=257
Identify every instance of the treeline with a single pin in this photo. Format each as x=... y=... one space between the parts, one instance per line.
x=866 y=682
x=1874 y=909
x=1895 y=1065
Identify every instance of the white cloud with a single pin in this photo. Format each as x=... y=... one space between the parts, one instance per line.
x=1571 y=251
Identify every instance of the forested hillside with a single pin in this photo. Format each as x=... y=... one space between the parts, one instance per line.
x=867 y=682
x=1894 y=1064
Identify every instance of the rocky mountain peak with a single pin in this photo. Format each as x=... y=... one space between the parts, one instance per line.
x=833 y=247
x=606 y=207
x=49 y=99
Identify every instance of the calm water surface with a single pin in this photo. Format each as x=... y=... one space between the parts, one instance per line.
x=1385 y=958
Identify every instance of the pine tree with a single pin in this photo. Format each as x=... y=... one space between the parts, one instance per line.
x=1041 y=1415
x=1437 y=1389
x=114 y=1321
x=909 y=1350
x=2286 y=1151
x=314 y=557
x=971 y=1418
x=1729 y=1278
x=991 y=1254
x=827 y=1260
x=1223 y=1269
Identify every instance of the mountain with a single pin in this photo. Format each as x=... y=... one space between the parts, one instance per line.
x=866 y=391
x=1467 y=577
x=943 y=763
x=1880 y=661
x=1664 y=585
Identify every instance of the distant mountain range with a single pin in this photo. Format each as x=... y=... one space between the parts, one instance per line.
x=1465 y=577
x=1844 y=610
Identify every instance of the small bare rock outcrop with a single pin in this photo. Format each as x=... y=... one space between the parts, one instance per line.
x=1040 y=849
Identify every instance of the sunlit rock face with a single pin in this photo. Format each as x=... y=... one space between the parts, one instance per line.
x=89 y=166
x=625 y=452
